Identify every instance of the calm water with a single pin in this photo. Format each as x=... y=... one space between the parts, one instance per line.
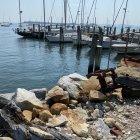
x=28 y=63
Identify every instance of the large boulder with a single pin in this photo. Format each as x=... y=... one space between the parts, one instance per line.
x=58 y=95
x=40 y=93
x=133 y=72
x=96 y=96
x=26 y=100
x=5 y=138
x=70 y=84
x=5 y=99
x=57 y=108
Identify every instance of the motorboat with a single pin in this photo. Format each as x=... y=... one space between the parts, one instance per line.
x=131 y=48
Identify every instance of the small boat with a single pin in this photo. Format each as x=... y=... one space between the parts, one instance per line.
x=130 y=62
x=131 y=48
x=66 y=38
x=5 y=24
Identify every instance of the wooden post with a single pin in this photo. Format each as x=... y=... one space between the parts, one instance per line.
x=78 y=36
x=100 y=36
x=92 y=53
x=98 y=58
x=128 y=29
x=133 y=30
x=33 y=27
x=114 y=32
x=61 y=35
x=107 y=31
x=38 y=30
x=110 y=30
x=121 y=32
x=49 y=29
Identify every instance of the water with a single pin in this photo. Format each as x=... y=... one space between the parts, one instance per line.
x=28 y=63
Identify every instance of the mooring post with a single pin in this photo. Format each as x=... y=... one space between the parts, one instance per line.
x=121 y=32
x=33 y=27
x=100 y=36
x=114 y=32
x=78 y=36
x=128 y=30
x=110 y=29
x=107 y=31
x=61 y=35
x=49 y=29
x=92 y=53
x=38 y=30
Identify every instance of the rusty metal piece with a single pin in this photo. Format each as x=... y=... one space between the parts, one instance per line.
x=116 y=132
x=101 y=74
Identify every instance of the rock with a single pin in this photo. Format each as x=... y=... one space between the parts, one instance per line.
x=28 y=115
x=91 y=84
x=74 y=102
x=119 y=126
x=80 y=130
x=6 y=138
x=35 y=112
x=40 y=133
x=26 y=100
x=97 y=114
x=45 y=115
x=5 y=99
x=96 y=96
x=39 y=122
x=17 y=132
x=70 y=84
x=40 y=93
x=102 y=129
x=56 y=93
x=75 y=115
x=57 y=108
x=71 y=106
x=110 y=122
x=118 y=95
x=133 y=72
x=58 y=121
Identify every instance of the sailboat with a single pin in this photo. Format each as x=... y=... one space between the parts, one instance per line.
x=64 y=37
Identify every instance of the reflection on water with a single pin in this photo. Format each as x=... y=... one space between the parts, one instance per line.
x=28 y=63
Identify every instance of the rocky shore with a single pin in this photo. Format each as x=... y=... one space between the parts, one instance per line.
x=75 y=109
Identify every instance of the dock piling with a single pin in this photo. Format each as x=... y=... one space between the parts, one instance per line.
x=79 y=36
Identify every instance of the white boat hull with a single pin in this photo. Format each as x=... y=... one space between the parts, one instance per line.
x=131 y=48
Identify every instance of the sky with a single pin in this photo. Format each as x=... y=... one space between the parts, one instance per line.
x=33 y=10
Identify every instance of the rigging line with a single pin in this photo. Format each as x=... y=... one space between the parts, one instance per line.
x=51 y=10
x=117 y=14
x=90 y=11
x=83 y=11
x=77 y=12
x=70 y=12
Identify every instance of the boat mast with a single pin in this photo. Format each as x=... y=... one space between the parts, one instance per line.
x=44 y=18
x=65 y=11
x=20 y=15
x=114 y=10
x=124 y=13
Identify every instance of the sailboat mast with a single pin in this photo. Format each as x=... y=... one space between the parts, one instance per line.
x=124 y=13
x=20 y=15
x=65 y=11
x=114 y=10
x=44 y=18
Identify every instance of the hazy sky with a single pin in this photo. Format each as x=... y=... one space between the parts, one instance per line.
x=33 y=10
